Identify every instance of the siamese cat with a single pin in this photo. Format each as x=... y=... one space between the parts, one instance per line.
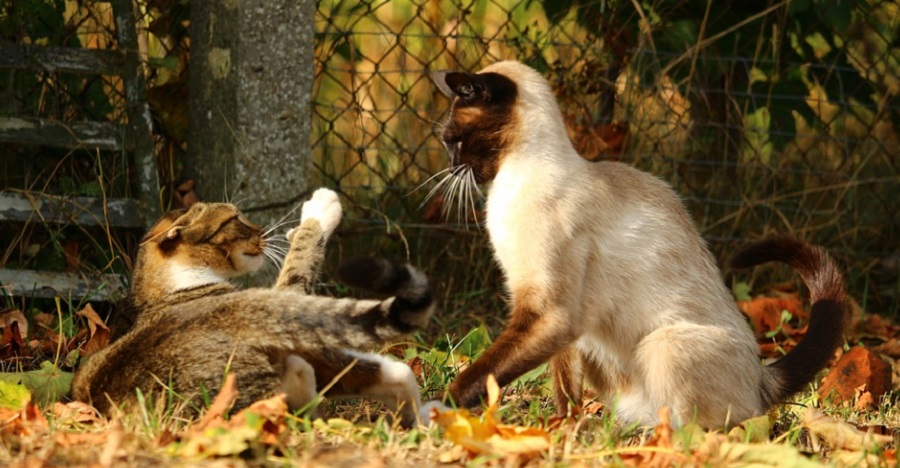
x=190 y=324
x=608 y=277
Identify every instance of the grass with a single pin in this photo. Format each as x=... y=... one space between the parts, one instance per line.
x=360 y=433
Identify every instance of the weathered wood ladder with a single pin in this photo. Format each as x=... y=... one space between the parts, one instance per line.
x=134 y=137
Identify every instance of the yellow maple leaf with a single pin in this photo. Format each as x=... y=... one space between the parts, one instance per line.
x=485 y=435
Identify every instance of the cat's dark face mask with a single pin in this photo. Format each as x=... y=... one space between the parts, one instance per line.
x=481 y=123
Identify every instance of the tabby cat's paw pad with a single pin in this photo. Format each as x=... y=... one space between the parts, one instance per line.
x=324 y=207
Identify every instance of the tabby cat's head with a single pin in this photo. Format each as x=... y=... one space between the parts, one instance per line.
x=210 y=240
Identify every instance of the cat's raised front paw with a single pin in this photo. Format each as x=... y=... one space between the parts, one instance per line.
x=324 y=207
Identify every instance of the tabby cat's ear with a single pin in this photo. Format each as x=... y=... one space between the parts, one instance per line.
x=466 y=86
x=165 y=228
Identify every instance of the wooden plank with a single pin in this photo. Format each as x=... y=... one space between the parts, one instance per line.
x=50 y=284
x=88 y=211
x=64 y=59
x=32 y=131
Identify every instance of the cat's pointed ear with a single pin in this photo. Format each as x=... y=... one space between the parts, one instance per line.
x=466 y=86
x=165 y=229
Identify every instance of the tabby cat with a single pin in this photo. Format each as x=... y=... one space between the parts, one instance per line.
x=609 y=278
x=192 y=324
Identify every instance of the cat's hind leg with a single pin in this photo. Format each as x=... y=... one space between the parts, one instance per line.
x=299 y=384
x=378 y=377
x=704 y=374
x=568 y=381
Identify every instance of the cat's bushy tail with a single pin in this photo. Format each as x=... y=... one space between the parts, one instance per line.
x=828 y=318
x=412 y=303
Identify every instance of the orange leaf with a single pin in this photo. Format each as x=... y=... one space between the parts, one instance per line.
x=765 y=312
x=99 y=332
x=273 y=411
x=25 y=422
x=661 y=439
x=9 y=317
x=224 y=400
x=857 y=368
x=485 y=435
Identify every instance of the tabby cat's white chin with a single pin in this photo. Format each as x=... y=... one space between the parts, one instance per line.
x=183 y=277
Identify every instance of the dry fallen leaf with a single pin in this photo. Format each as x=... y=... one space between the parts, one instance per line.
x=25 y=423
x=765 y=312
x=858 y=372
x=76 y=412
x=262 y=423
x=8 y=317
x=485 y=435
x=890 y=347
x=658 y=450
x=839 y=435
x=99 y=332
x=216 y=412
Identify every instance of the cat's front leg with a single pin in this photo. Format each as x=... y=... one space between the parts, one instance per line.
x=319 y=218
x=532 y=336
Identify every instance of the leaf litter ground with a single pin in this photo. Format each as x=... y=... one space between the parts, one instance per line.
x=849 y=417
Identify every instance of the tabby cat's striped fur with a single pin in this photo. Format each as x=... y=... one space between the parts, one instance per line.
x=191 y=323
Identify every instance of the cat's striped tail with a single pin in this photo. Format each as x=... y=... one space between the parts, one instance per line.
x=412 y=302
x=828 y=318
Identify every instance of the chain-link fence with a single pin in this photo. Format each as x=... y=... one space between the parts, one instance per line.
x=790 y=127
x=773 y=116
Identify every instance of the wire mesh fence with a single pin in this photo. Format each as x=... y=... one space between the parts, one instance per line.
x=798 y=137
x=775 y=116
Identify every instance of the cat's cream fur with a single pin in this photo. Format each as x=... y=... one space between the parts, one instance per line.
x=608 y=277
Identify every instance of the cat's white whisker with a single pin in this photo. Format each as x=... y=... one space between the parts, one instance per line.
x=283 y=220
x=274 y=256
x=440 y=186
x=437 y=174
x=450 y=195
x=461 y=217
x=470 y=184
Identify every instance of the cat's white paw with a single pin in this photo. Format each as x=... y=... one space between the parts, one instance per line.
x=429 y=409
x=324 y=207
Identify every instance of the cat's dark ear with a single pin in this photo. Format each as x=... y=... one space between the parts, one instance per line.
x=466 y=86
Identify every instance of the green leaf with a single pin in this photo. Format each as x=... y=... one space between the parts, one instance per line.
x=555 y=9
x=13 y=395
x=166 y=63
x=753 y=430
x=47 y=384
x=798 y=6
x=838 y=14
x=680 y=35
x=538 y=375
x=476 y=341
x=742 y=291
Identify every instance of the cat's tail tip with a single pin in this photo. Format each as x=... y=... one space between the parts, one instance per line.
x=413 y=300
x=828 y=318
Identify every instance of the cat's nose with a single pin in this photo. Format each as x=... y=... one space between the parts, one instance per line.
x=453 y=150
x=451 y=153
